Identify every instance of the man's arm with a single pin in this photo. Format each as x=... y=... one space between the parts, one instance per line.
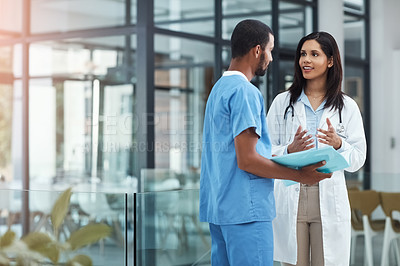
x=250 y=161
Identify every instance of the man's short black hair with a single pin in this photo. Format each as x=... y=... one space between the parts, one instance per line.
x=248 y=34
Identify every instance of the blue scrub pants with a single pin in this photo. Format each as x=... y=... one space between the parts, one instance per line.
x=249 y=244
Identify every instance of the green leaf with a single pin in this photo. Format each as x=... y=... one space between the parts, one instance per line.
x=36 y=239
x=83 y=260
x=89 y=234
x=43 y=244
x=20 y=261
x=4 y=261
x=60 y=209
x=7 y=239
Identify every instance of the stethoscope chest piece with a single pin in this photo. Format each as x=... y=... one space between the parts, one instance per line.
x=340 y=128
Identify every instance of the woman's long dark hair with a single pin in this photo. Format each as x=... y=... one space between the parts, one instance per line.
x=334 y=95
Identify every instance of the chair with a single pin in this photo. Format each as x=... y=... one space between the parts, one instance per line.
x=10 y=206
x=158 y=179
x=390 y=204
x=96 y=206
x=40 y=206
x=362 y=204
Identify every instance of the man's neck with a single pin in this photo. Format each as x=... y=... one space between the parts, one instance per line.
x=241 y=66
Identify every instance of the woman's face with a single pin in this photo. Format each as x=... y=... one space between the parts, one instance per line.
x=313 y=62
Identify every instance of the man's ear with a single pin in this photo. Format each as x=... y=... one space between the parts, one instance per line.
x=256 y=50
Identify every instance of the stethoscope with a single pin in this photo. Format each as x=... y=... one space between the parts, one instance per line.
x=340 y=126
x=340 y=130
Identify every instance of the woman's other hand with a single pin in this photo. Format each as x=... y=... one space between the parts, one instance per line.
x=301 y=142
x=329 y=136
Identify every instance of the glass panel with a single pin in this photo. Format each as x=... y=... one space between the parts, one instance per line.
x=62 y=16
x=354 y=85
x=158 y=180
x=99 y=216
x=10 y=112
x=354 y=6
x=133 y=11
x=295 y=21
x=286 y=70
x=262 y=84
x=226 y=57
x=118 y=132
x=185 y=15
x=169 y=231
x=241 y=7
x=183 y=79
x=10 y=19
x=235 y=11
x=87 y=123
x=228 y=24
x=354 y=34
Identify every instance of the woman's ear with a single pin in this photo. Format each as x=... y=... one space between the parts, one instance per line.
x=330 y=62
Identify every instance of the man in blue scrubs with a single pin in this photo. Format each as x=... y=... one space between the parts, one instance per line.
x=236 y=185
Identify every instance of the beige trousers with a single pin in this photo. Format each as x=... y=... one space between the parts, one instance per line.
x=309 y=229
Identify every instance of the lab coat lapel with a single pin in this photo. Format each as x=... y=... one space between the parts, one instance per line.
x=300 y=113
x=328 y=113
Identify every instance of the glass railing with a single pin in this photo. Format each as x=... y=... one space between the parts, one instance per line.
x=55 y=228
x=169 y=231
x=162 y=227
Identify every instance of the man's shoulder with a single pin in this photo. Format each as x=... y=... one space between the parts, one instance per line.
x=234 y=79
x=235 y=84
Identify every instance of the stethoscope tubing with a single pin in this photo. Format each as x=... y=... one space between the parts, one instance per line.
x=339 y=128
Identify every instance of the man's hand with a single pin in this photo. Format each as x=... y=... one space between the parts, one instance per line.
x=310 y=176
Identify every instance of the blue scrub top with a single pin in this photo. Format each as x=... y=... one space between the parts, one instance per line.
x=229 y=195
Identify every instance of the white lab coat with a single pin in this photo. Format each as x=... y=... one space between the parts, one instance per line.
x=334 y=203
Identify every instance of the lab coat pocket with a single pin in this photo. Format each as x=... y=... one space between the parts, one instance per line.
x=289 y=131
x=282 y=197
x=341 y=199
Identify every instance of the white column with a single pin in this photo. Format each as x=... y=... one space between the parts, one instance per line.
x=395 y=138
x=384 y=86
x=331 y=20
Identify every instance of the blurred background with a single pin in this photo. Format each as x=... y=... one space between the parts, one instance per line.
x=108 y=97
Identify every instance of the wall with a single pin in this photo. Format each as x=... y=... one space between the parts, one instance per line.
x=385 y=70
x=330 y=17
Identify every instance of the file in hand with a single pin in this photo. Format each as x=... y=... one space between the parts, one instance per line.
x=334 y=160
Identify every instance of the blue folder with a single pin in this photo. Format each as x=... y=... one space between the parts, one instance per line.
x=334 y=160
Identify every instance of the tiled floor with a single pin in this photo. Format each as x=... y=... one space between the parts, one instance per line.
x=359 y=255
x=377 y=251
x=195 y=250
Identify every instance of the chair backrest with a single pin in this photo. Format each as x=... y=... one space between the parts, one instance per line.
x=365 y=201
x=390 y=202
x=362 y=203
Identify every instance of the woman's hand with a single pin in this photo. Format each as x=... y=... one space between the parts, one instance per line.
x=301 y=142
x=330 y=137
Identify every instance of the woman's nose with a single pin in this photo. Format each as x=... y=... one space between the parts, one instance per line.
x=307 y=59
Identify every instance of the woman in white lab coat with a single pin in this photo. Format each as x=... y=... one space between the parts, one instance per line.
x=312 y=226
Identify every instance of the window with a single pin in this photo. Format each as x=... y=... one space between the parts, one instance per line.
x=356 y=67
